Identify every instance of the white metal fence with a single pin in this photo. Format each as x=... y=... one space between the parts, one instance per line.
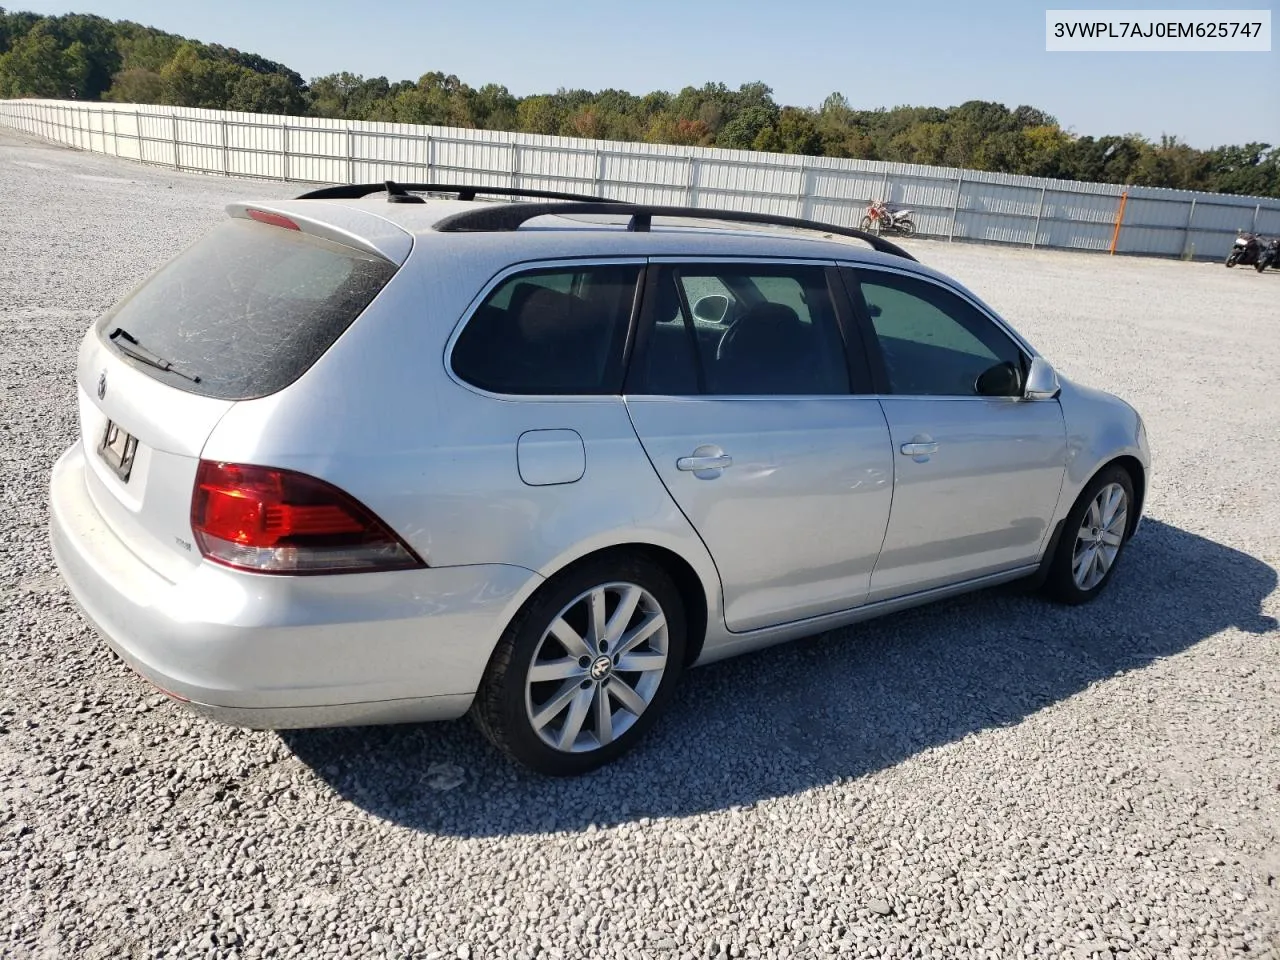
x=949 y=203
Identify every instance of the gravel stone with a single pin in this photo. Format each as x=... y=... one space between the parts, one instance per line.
x=1015 y=779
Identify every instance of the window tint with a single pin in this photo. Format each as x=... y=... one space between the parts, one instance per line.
x=248 y=308
x=936 y=344
x=774 y=333
x=556 y=331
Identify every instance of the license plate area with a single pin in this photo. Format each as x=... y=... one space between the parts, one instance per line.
x=117 y=450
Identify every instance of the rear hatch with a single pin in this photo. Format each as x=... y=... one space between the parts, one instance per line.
x=240 y=315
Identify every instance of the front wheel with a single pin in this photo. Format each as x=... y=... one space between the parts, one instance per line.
x=1233 y=258
x=1093 y=537
x=907 y=227
x=585 y=668
x=866 y=223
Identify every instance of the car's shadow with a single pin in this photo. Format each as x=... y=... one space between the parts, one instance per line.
x=839 y=705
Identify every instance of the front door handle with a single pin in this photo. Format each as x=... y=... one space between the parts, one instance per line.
x=704 y=463
x=919 y=449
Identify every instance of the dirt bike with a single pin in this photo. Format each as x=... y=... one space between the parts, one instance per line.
x=880 y=219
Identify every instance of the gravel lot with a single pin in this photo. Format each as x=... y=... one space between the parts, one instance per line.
x=993 y=777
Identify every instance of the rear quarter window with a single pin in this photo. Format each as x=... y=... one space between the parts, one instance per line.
x=557 y=331
x=248 y=308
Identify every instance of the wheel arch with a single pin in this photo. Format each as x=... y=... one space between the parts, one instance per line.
x=694 y=592
x=1138 y=474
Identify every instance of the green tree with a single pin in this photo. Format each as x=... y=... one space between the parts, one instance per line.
x=137 y=85
x=191 y=80
x=38 y=65
x=142 y=48
x=266 y=93
x=741 y=132
x=494 y=108
x=539 y=114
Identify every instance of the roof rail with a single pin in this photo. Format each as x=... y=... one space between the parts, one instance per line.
x=511 y=216
x=405 y=192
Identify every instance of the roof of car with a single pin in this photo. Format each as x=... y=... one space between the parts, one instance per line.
x=564 y=235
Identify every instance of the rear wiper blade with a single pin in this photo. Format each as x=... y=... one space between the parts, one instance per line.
x=128 y=343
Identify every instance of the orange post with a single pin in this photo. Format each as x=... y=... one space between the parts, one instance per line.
x=1115 y=236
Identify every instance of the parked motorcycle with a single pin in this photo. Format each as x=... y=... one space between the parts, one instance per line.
x=880 y=219
x=1270 y=256
x=1245 y=250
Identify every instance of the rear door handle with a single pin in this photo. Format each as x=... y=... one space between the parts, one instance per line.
x=704 y=463
x=919 y=449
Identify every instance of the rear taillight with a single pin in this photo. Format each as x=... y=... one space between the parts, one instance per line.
x=279 y=521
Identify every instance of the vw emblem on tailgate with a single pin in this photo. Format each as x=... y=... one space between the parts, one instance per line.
x=102 y=384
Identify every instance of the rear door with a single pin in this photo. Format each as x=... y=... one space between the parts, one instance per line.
x=977 y=469
x=242 y=313
x=751 y=415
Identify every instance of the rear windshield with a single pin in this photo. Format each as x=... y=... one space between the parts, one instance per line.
x=247 y=310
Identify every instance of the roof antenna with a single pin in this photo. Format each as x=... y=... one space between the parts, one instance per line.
x=398 y=194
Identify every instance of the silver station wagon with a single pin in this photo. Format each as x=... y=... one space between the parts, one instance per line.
x=394 y=453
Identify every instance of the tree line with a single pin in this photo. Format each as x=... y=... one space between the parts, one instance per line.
x=90 y=58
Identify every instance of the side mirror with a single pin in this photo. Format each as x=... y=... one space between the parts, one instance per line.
x=1001 y=380
x=713 y=308
x=1042 y=381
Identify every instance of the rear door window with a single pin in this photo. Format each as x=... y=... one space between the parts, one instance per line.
x=246 y=310
x=746 y=329
x=559 y=331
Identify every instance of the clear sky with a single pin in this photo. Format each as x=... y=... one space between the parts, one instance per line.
x=920 y=52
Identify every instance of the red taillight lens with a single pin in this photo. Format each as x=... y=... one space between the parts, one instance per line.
x=279 y=521
x=275 y=219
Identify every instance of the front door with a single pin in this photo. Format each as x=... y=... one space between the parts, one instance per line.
x=743 y=397
x=977 y=469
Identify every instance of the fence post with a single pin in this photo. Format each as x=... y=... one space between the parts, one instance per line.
x=599 y=181
x=802 y=194
x=430 y=159
x=955 y=207
x=351 y=156
x=884 y=186
x=691 y=186
x=226 y=164
x=1253 y=228
x=174 y=118
x=1186 y=232
x=1035 y=237
x=515 y=165
x=284 y=150
x=1115 y=237
x=115 y=135
x=137 y=130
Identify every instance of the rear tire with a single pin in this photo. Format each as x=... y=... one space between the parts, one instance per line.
x=1093 y=538
x=1260 y=265
x=557 y=696
x=907 y=227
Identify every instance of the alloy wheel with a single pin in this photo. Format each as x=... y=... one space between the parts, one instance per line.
x=597 y=667
x=1100 y=536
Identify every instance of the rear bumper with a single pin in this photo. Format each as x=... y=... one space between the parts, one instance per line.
x=272 y=652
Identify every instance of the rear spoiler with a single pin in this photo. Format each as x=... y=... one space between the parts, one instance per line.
x=349 y=226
